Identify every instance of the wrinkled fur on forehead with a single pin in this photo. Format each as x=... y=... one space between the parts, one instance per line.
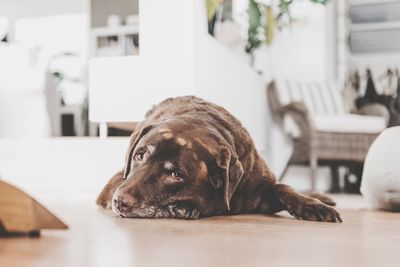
x=174 y=152
x=204 y=142
x=184 y=135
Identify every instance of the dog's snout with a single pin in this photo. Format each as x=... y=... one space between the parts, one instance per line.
x=123 y=205
x=124 y=202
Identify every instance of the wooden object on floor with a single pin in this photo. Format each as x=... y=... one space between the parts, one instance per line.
x=20 y=213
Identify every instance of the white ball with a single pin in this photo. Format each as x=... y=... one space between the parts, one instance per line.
x=381 y=176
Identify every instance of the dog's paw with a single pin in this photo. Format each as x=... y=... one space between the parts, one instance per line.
x=183 y=212
x=323 y=198
x=315 y=210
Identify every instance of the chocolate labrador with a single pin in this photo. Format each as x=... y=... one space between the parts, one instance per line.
x=190 y=158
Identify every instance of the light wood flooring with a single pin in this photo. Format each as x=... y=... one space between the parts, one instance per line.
x=96 y=238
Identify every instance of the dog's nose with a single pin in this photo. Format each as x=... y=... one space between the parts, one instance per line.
x=124 y=203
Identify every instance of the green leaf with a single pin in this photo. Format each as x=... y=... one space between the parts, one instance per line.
x=320 y=1
x=254 y=14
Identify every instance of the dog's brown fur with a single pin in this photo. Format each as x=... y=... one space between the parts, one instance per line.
x=190 y=158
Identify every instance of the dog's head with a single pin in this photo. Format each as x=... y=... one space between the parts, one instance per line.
x=177 y=171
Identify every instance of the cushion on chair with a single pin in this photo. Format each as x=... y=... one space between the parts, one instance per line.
x=326 y=108
x=320 y=98
x=381 y=177
x=349 y=123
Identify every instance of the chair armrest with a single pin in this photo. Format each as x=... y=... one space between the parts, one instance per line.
x=296 y=110
x=299 y=113
x=297 y=107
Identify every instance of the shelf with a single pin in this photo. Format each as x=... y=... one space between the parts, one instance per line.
x=115 y=41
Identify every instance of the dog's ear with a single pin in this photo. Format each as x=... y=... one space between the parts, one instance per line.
x=228 y=175
x=135 y=138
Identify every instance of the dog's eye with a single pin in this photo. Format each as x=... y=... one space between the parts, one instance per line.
x=176 y=175
x=139 y=156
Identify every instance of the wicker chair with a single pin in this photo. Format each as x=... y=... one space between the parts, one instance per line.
x=323 y=132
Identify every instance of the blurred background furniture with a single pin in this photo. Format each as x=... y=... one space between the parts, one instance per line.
x=322 y=130
x=115 y=41
x=22 y=96
x=381 y=177
x=66 y=95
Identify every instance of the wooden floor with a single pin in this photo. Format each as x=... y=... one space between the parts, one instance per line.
x=95 y=238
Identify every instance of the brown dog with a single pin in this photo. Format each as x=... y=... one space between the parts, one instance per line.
x=190 y=158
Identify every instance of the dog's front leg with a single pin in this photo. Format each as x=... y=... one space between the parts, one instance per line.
x=304 y=207
x=105 y=198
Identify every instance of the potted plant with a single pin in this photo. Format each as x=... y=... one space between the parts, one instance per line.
x=263 y=20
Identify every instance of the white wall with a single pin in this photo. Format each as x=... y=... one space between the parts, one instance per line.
x=55 y=34
x=39 y=8
x=16 y=9
x=302 y=51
